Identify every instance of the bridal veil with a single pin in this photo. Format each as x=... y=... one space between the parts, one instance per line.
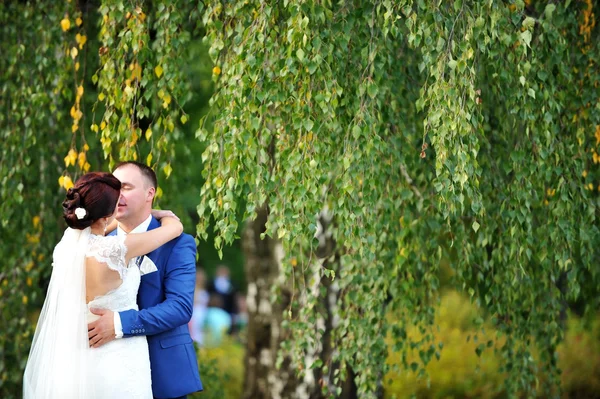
x=57 y=364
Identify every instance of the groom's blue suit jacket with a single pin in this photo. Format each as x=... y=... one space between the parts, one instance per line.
x=165 y=299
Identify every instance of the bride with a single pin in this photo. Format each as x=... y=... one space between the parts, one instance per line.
x=91 y=270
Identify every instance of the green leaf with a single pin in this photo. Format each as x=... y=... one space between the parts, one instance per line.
x=308 y=124
x=549 y=10
x=372 y=90
x=526 y=37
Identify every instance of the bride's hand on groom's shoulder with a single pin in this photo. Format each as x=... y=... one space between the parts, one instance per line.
x=168 y=218
x=163 y=213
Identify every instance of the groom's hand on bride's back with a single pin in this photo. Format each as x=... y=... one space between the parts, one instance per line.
x=102 y=330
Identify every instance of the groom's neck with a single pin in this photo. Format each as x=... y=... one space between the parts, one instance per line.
x=128 y=225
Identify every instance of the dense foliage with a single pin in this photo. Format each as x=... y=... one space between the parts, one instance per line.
x=462 y=131
x=457 y=130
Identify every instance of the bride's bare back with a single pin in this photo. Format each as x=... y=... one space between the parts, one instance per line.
x=99 y=279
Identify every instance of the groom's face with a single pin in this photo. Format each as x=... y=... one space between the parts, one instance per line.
x=135 y=202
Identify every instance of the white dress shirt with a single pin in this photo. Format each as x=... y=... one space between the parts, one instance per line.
x=142 y=227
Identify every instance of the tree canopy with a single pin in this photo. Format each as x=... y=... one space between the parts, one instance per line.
x=462 y=133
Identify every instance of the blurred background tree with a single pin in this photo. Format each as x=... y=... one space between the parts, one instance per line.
x=392 y=151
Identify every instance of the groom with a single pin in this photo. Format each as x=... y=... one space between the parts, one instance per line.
x=165 y=296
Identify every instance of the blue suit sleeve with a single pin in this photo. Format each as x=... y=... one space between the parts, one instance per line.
x=179 y=284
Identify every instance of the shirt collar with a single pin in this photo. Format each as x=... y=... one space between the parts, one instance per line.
x=142 y=227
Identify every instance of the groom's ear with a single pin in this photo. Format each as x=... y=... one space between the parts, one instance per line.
x=151 y=194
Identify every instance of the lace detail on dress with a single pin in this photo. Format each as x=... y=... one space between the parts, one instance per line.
x=110 y=250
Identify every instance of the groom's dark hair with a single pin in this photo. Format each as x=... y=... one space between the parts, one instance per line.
x=147 y=171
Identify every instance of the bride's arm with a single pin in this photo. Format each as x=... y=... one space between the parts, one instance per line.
x=112 y=226
x=142 y=243
x=157 y=213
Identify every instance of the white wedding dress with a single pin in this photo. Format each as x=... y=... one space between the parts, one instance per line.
x=122 y=366
x=61 y=364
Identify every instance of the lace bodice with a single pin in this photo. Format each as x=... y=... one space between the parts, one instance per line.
x=112 y=250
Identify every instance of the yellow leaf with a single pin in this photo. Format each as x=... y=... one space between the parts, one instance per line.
x=136 y=71
x=158 y=71
x=61 y=181
x=81 y=159
x=76 y=66
x=134 y=138
x=86 y=147
x=29 y=281
x=584 y=174
x=79 y=91
x=25 y=299
x=36 y=221
x=102 y=125
x=167 y=169
x=72 y=156
x=82 y=41
x=78 y=21
x=68 y=182
x=149 y=159
x=65 y=24
x=74 y=128
x=148 y=134
x=184 y=119
x=101 y=96
x=159 y=192
x=216 y=71
x=86 y=167
x=94 y=129
x=166 y=100
x=74 y=52
x=161 y=93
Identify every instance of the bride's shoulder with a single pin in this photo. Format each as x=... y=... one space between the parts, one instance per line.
x=108 y=249
x=99 y=243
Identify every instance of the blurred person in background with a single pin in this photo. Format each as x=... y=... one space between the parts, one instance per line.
x=222 y=287
x=201 y=298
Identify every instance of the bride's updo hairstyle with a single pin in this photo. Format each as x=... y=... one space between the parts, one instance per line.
x=93 y=196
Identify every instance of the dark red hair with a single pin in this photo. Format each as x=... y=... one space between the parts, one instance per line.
x=97 y=193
